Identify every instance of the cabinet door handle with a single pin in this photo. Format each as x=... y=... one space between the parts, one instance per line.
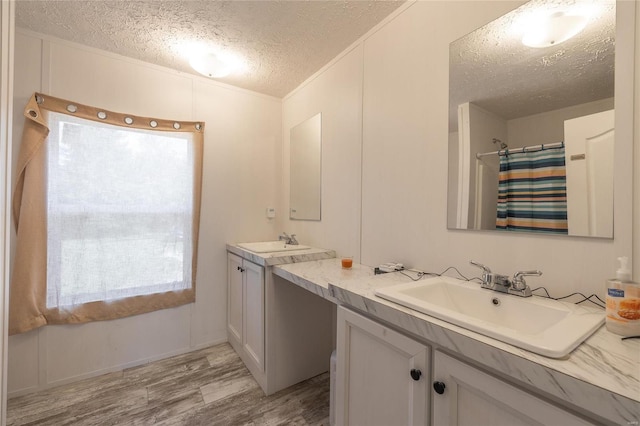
x=415 y=374
x=439 y=387
x=240 y=269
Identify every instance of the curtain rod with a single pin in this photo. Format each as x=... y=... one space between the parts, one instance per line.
x=532 y=148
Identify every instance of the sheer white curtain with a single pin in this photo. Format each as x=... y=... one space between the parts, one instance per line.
x=119 y=210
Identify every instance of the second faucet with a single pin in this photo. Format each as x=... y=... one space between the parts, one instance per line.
x=288 y=239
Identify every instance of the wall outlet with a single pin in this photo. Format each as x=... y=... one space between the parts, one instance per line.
x=271 y=212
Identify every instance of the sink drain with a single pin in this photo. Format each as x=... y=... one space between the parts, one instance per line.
x=495 y=301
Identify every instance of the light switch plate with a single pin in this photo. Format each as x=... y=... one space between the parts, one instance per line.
x=271 y=212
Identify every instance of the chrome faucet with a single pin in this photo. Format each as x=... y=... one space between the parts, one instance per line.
x=519 y=286
x=503 y=284
x=288 y=239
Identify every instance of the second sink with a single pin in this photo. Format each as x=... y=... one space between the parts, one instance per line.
x=271 y=246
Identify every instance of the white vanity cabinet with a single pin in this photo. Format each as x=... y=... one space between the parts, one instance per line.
x=283 y=333
x=245 y=307
x=377 y=383
x=382 y=376
x=464 y=395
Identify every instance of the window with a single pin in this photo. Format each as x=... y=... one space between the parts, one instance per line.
x=107 y=210
x=119 y=210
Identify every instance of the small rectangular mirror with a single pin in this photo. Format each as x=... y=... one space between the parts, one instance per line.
x=306 y=169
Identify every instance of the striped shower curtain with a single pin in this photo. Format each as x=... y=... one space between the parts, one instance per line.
x=532 y=192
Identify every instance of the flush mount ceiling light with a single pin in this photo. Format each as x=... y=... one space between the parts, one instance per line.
x=211 y=65
x=208 y=59
x=554 y=29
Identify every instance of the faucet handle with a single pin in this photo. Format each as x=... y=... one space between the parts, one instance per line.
x=484 y=268
x=518 y=278
x=519 y=274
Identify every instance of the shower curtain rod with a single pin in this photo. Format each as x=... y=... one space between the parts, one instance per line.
x=532 y=148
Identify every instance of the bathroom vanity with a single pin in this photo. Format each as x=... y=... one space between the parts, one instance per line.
x=393 y=361
x=282 y=333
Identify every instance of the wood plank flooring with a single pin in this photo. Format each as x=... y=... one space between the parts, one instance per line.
x=206 y=387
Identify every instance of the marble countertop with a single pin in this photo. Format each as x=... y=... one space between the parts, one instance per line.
x=282 y=257
x=316 y=276
x=601 y=376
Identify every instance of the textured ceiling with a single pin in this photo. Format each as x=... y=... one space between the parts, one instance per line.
x=493 y=69
x=282 y=42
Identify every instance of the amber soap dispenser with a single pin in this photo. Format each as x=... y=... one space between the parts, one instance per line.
x=623 y=302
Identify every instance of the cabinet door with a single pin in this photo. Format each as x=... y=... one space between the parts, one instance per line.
x=473 y=397
x=254 y=312
x=374 y=383
x=234 y=296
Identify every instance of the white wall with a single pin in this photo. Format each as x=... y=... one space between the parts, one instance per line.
x=242 y=162
x=635 y=208
x=337 y=94
x=405 y=153
x=7 y=33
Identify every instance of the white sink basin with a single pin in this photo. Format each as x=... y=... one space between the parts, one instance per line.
x=271 y=246
x=544 y=326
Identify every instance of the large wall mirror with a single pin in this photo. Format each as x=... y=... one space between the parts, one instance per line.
x=306 y=169
x=531 y=121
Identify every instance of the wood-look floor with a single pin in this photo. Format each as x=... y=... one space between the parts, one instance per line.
x=206 y=387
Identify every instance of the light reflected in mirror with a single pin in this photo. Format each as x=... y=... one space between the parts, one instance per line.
x=531 y=130
x=306 y=169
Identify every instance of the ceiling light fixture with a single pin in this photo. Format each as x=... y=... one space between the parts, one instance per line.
x=211 y=64
x=209 y=60
x=554 y=29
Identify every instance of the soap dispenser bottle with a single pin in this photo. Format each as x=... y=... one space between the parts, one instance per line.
x=623 y=302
